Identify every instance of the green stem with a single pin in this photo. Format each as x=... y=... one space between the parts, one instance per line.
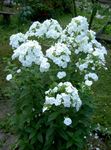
x=74 y=8
x=94 y=11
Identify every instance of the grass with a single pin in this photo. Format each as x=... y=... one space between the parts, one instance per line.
x=102 y=94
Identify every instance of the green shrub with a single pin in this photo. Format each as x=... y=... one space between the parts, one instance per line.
x=51 y=91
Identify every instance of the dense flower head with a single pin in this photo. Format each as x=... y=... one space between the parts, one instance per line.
x=63 y=94
x=49 y=29
x=17 y=39
x=77 y=26
x=59 y=54
x=29 y=53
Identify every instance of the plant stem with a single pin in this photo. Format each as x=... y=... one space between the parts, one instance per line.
x=94 y=11
x=74 y=8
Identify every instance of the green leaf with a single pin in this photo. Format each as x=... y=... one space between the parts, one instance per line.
x=69 y=144
x=53 y=116
x=40 y=137
x=49 y=133
x=32 y=135
x=63 y=135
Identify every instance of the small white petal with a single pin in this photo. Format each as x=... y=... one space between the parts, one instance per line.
x=9 y=77
x=67 y=121
x=88 y=83
x=61 y=74
x=19 y=70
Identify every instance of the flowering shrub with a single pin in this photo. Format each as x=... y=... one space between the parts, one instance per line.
x=52 y=87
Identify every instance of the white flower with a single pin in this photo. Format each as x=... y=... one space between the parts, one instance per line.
x=49 y=100
x=78 y=104
x=88 y=83
x=61 y=74
x=96 y=136
x=66 y=100
x=83 y=66
x=70 y=89
x=44 y=66
x=44 y=109
x=9 y=77
x=97 y=148
x=92 y=76
x=19 y=70
x=99 y=16
x=67 y=121
x=55 y=89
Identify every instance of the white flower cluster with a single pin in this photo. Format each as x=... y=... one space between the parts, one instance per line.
x=77 y=26
x=29 y=53
x=81 y=41
x=75 y=39
x=75 y=47
x=17 y=39
x=63 y=94
x=59 y=54
x=94 y=55
x=49 y=29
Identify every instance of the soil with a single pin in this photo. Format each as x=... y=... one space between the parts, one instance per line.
x=6 y=139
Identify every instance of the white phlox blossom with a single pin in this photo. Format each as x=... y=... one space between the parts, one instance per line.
x=49 y=29
x=44 y=66
x=67 y=121
x=18 y=71
x=17 y=39
x=82 y=66
x=91 y=76
x=29 y=53
x=61 y=74
x=100 y=52
x=84 y=46
x=59 y=54
x=9 y=77
x=99 y=16
x=88 y=83
x=65 y=94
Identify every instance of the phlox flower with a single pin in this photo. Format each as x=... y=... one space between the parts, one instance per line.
x=67 y=121
x=9 y=77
